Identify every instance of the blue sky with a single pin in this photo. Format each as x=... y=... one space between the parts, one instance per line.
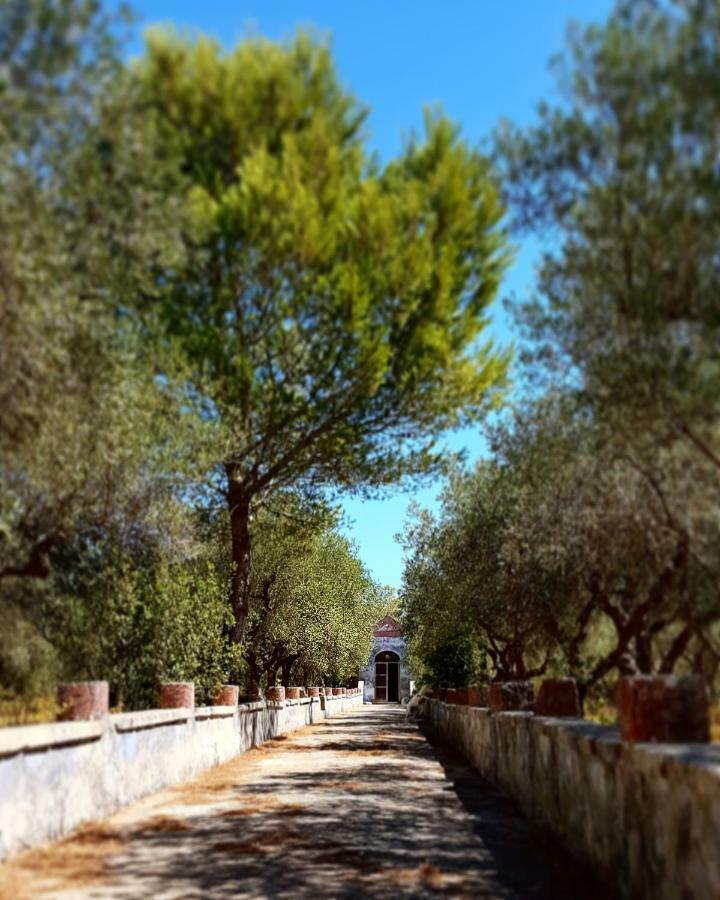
x=482 y=60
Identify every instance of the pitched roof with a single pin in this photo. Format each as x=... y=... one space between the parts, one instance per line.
x=387 y=627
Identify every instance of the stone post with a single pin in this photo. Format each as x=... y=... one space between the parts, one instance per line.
x=477 y=695
x=313 y=691
x=292 y=693
x=82 y=700
x=227 y=695
x=664 y=708
x=557 y=697
x=510 y=695
x=176 y=695
x=253 y=693
x=276 y=694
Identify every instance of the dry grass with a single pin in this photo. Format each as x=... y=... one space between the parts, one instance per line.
x=162 y=824
x=257 y=804
x=268 y=842
x=220 y=781
x=353 y=787
x=79 y=860
x=16 y=710
x=425 y=874
x=600 y=712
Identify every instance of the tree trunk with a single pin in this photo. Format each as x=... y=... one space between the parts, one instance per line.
x=241 y=547
x=286 y=667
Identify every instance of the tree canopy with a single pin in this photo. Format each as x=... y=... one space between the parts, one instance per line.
x=330 y=309
x=593 y=528
x=312 y=603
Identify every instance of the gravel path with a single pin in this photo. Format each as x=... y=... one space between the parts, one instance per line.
x=359 y=806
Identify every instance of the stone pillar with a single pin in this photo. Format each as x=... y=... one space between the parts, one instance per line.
x=663 y=708
x=336 y=692
x=477 y=695
x=82 y=700
x=176 y=695
x=292 y=693
x=510 y=695
x=276 y=694
x=313 y=691
x=253 y=693
x=227 y=695
x=557 y=697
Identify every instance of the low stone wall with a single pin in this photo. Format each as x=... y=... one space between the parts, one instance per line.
x=54 y=777
x=646 y=816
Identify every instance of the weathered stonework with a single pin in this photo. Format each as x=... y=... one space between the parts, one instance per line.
x=478 y=695
x=510 y=695
x=82 y=700
x=646 y=816
x=557 y=697
x=54 y=777
x=227 y=695
x=663 y=708
x=176 y=694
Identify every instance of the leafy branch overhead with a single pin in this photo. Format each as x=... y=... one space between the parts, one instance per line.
x=331 y=309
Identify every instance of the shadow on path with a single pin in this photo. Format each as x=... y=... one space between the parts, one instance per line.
x=359 y=806
x=529 y=860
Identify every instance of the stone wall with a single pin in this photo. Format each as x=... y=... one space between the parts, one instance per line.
x=646 y=816
x=54 y=777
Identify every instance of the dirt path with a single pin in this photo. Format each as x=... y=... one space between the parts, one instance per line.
x=359 y=806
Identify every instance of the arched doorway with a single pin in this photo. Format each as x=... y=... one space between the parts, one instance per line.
x=387 y=677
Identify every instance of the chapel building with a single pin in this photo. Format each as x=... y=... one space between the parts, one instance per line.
x=386 y=676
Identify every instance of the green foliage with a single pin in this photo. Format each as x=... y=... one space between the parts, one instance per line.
x=313 y=606
x=135 y=619
x=454 y=664
x=211 y=277
x=627 y=173
x=88 y=434
x=330 y=310
x=28 y=664
x=627 y=319
x=575 y=567
x=594 y=528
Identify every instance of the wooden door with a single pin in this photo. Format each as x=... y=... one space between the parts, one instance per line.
x=381 y=682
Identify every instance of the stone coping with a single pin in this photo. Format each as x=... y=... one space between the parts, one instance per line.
x=17 y=739
x=214 y=712
x=301 y=701
x=149 y=718
x=604 y=740
x=24 y=738
x=252 y=706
